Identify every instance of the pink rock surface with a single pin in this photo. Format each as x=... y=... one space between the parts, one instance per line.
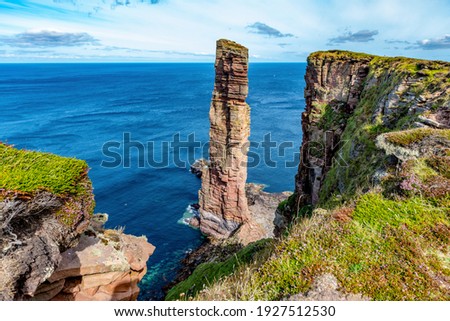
x=104 y=268
x=223 y=204
x=90 y=256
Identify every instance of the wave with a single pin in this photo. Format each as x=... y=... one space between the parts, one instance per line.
x=189 y=213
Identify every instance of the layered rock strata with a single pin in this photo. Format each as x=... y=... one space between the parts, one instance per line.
x=104 y=266
x=222 y=198
x=96 y=265
x=344 y=89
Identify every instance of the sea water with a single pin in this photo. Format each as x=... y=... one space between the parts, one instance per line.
x=98 y=112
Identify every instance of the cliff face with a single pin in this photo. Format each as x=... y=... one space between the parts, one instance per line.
x=46 y=206
x=32 y=238
x=347 y=91
x=372 y=197
x=222 y=199
x=332 y=85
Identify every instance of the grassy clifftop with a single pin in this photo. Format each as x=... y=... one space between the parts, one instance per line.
x=381 y=248
x=339 y=55
x=30 y=171
x=381 y=221
x=26 y=175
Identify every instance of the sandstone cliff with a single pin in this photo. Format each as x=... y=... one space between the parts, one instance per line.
x=350 y=100
x=49 y=244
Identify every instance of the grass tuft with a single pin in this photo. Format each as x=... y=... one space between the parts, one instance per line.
x=408 y=137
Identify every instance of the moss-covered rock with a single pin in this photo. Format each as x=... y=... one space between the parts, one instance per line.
x=46 y=203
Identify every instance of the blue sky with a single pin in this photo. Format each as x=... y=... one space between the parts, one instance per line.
x=186 y=30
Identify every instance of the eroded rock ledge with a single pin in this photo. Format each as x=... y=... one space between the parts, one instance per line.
x=33 y=234
x=105 y=265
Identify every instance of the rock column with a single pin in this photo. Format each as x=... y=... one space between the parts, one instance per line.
x=222 y=198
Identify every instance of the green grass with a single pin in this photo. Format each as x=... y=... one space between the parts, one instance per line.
x=209 y=273
x=232 y=45
x=288 y=204
x=339 y=55
x=411 y=136
x=332 y=118
x=440 y=164
x=375 y=212
x=30 y=171
x=411 y=66
x=389 y=250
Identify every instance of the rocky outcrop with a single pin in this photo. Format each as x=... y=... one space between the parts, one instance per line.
x=264 y=209
x=98 y=264
x=198 y=166
x=33 y=235
x=326 y=288
x=345 y=89
x=51 y=246
x=104 y=266
x=222 y=199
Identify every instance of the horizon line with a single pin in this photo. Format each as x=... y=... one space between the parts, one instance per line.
x=138 y=62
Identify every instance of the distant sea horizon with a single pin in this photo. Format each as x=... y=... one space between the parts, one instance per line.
x=74 y=108
x=141 y=62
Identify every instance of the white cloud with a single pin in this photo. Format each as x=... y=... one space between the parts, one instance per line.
x=194 y=26
x=434 y=44
x=48 y=38
x=359 y=36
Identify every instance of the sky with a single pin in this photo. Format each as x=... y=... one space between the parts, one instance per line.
x=186 y=30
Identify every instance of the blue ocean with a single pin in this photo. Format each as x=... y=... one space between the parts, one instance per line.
x=86 y=111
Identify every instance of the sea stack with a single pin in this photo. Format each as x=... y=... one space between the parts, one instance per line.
x=222 y=198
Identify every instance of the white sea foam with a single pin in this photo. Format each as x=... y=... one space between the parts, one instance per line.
x=189 y=213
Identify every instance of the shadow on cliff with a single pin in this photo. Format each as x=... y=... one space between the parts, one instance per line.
x=65 y=281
